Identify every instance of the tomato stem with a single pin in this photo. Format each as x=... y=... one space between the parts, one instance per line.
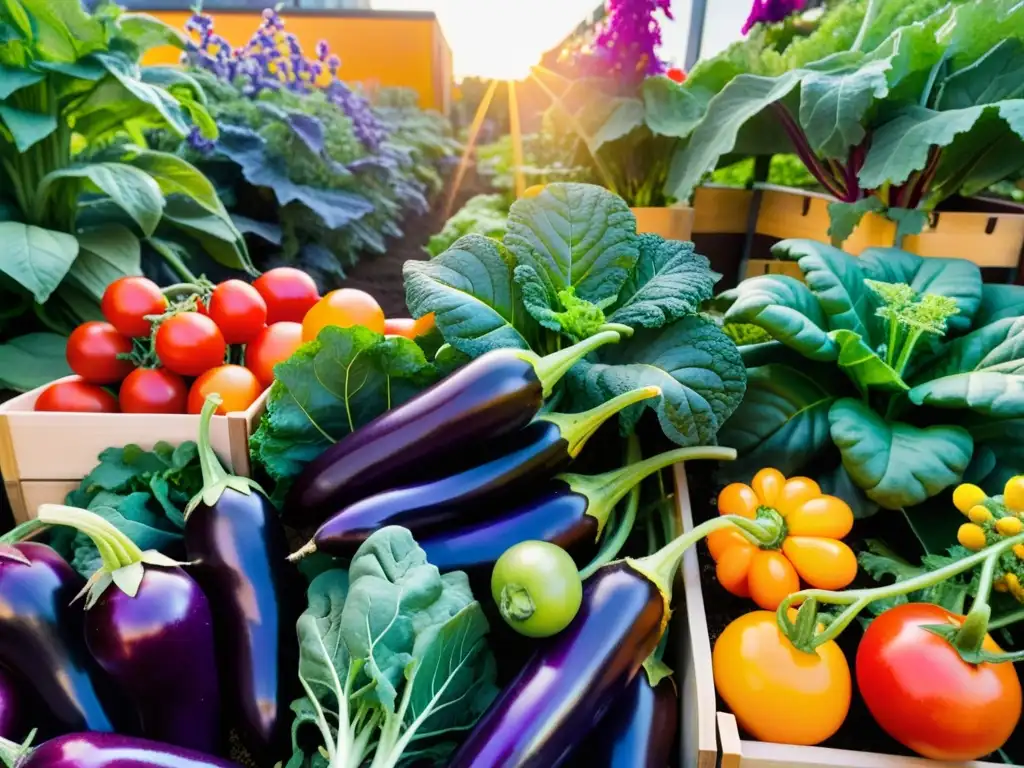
x=857 y=600
x=1006 y=620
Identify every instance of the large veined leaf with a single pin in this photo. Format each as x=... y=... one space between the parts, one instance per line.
x=32 y=360
x=127 y=73
x=15 y=78
x=106 y=254
x=133 y=190
x=176 y=176
x=27 y=128
x=576 y=236
x=999 y=301
x=787 y=310
x=607 y=119
x=863 y=365
x=671 y=109
x=896 y=464
x=843 y=218
x=996 y=76
x=669 y=281
x=782 y=421
x=63 y=31
x=470 y=290
x=698 y=368
x=147 y=32
x=837 y=280
x=957 y=278
x=982 y=371
x=36 y=258
x=217 y=235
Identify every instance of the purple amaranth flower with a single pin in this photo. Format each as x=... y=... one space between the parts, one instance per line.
x=771 y=11
x=626 y=44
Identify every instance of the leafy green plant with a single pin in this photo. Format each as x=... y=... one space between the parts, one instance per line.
x=894 y=126
x=571 y=264
x=81 y=197
x=393 y=660
x=892 y=374
x=485 y=215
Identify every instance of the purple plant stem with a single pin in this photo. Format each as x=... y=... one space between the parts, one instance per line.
x=806 y=154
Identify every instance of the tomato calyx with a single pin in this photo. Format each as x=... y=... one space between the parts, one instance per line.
x=516 y=603
x=771 y=520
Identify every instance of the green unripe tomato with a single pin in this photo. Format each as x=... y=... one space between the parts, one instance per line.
x=537 y=588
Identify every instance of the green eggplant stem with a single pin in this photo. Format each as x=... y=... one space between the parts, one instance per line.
x=976 y=624
x=604 y=491
x=578 y=428
x=11 y=752
x=116 y=549
x=23 y=531
x=551 y=368
x=613 y=544
x=213 y=471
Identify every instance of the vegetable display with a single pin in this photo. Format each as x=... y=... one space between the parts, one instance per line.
x=105 y=750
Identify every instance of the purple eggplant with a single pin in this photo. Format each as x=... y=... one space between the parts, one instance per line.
x=639 y=730
x=496 y=394
x=564 y=690
x=106 y=750
x=12 y=706
x=530 y=457
x=42 y=640
x=148 y=624
x=570 y=511
x=237 y=545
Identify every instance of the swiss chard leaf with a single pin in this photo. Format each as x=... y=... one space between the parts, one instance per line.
x=698 y=368
x=897 y=465
x=331 y=387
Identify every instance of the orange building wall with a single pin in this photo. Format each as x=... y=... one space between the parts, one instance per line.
x=376 y=49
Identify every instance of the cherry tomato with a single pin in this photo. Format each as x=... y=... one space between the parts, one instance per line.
x=344 y=308
x=290 y=293
x=238 y=310
x=928 y=698
x=128 y=300
x=274 y=344
x=75 y=395
x=153 y=390
x=236 y=385
x=93 y=350
x=676 y=75
x=757 y=670
x=537 y=588
x=400 y=326
x=189 y=344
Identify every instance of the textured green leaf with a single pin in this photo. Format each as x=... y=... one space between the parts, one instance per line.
x=671 y=109
x=470 y=290
x=787 y=310
x=896 y=464
x=147 y=32
x=998 y=451
x=575 y=235
x=698 y=368
x=982 y=371
x=131 y=189
x=572 y=316
x=331 y=387
x=27 y=128
x=997 y=75
x=909 y=221
x=15 y=78
x=844 y=217
x=833 y=103
x=63 y=31
x=957 y=278
x=36 y=258
x=32 y=360
x=999 y=301
x=837 y=280
x=864 y=367
x=106 y=254
x=127 y=73
x=216 y=234
x=782 y=421
x=669 y=281
x=176 y=176
x=608 y=119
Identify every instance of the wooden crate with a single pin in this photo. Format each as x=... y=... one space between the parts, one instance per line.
x=43 y=455
x=701 y=720
x=674 y=222
x=721 y=210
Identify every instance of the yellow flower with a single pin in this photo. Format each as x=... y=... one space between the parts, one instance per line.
x=968 y=496
x=971 y=536
x=1013 y=493
x=979 y=514
x=1009 y=526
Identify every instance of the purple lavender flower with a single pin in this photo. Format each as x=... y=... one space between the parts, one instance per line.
x=322 y=49
x=771 y=11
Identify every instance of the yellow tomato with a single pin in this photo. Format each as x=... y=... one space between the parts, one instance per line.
x=777 y=693
x=344 y=308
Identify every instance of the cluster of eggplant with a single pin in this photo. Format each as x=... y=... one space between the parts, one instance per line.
x=159 y=663
x=465 y=518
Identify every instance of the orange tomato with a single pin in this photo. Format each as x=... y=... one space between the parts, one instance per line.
x=810 y=549
x=344 y=308
x=274 y=344
x=778 y=693
x=409 y=328
x=237 y=386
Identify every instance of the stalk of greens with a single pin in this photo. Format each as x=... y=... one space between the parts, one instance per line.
x=393 y=661
x=906 y=372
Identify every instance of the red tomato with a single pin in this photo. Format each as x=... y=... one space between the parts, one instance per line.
x=127 y=301
x=343 y=308
x=153 y=390
x=925 y=696
x=236 y=385
x=676 y=75
x=93 y=350
x=238 y=310
x=275 y=344
x=76 y=395
x=189 y=344
x=289 y=294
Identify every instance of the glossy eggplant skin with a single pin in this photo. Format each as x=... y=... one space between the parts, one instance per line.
x=639 y=731
x=108 y=750
x=159 y=648
x=558 y=514
x=495 y=394
x=566 y=688
x=12 y=715
x=42 y=641
x=532 y=456
x=238 y=548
